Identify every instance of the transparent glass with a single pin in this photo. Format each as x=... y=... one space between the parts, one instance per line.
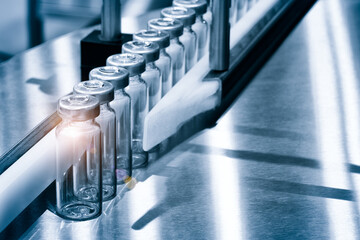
x=251 y=3
x=138 y=92
x=233 y=12
x=189 y=39
x=200 y=27
x=152 y=77
x=241 y=8
x=78 y=170
x=164 y=63
x=121 y=105
x=176 y=50
x=106 y=119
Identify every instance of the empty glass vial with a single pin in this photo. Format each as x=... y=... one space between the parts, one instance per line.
x=137 y=90
x=78 y=158
x=164 y=61
x=200 y=26
x=189 y=38
x=176 y=50
x=251 y=3
x=152 y=75
x=119 y=78
x=104 y=92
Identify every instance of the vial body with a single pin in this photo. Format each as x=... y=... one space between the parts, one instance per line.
x=200 y=27
x=164 y=63
x=78 y=170
x=152 y=77
x=189 y=39
x=138 y=92
x=176 y=50
x=241 y=9
x=121 y=105
x=251 y=3
x=106 y=120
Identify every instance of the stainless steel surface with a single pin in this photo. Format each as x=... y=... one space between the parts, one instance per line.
x=111 y=20
x=219 y=48
x=282 y=163
x=31 y=84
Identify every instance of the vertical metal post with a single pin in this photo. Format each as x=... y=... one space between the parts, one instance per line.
x=35 y=24
x=220 y=35
x=111 y=20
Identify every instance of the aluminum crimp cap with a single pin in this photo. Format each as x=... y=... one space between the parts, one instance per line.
x=78 y=107
x=172 y=26
x=199 y=6
x=117 y=76
x=149 y=50
x=186 y=15
x=134 y=63
x=103 y=91
x=160 y=37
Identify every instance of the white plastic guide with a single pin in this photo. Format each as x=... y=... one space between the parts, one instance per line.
x=191 y=95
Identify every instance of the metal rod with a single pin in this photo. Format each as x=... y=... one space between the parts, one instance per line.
x=220 y=35
x=111 y=20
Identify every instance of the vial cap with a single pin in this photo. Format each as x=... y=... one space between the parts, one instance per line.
x=117 y=76
x=185 y=15
x=149 y=50
x=134 y=63
x=174 y=27
x=103 y=91
x=199 y=6
x=78 y=107
x=160 y=37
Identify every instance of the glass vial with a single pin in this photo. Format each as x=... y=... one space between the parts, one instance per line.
x=152 y=75
x=78 y=158
x=241 y=9
x=119 y=78
x=189 y=38
x=176 y=50
x=251 y=3
x=164 y=61
x=137 y=90
x=200 y=26
x=104 y=92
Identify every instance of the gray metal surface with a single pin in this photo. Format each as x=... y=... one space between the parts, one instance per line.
x=282 y=163
x=31 y=84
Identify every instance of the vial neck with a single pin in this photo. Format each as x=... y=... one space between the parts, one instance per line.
x=135 y=78
x=120 y=91
x=163 y=52
x=104 y=106
x=199 y=18
x=175 y=40
x=150 y=65
x=188 y=28
x=73 y=123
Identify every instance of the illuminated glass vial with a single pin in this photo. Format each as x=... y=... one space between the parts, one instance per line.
x=119 y=78
x=189 y=38
x=104 y=92
x=200 y=26
x=164 y=61
x=176 y=50
x=78 y=158
x=152 y=75
x=137 y=90
x=241 y=8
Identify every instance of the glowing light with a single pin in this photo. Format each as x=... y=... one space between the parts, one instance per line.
x=327 y=110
